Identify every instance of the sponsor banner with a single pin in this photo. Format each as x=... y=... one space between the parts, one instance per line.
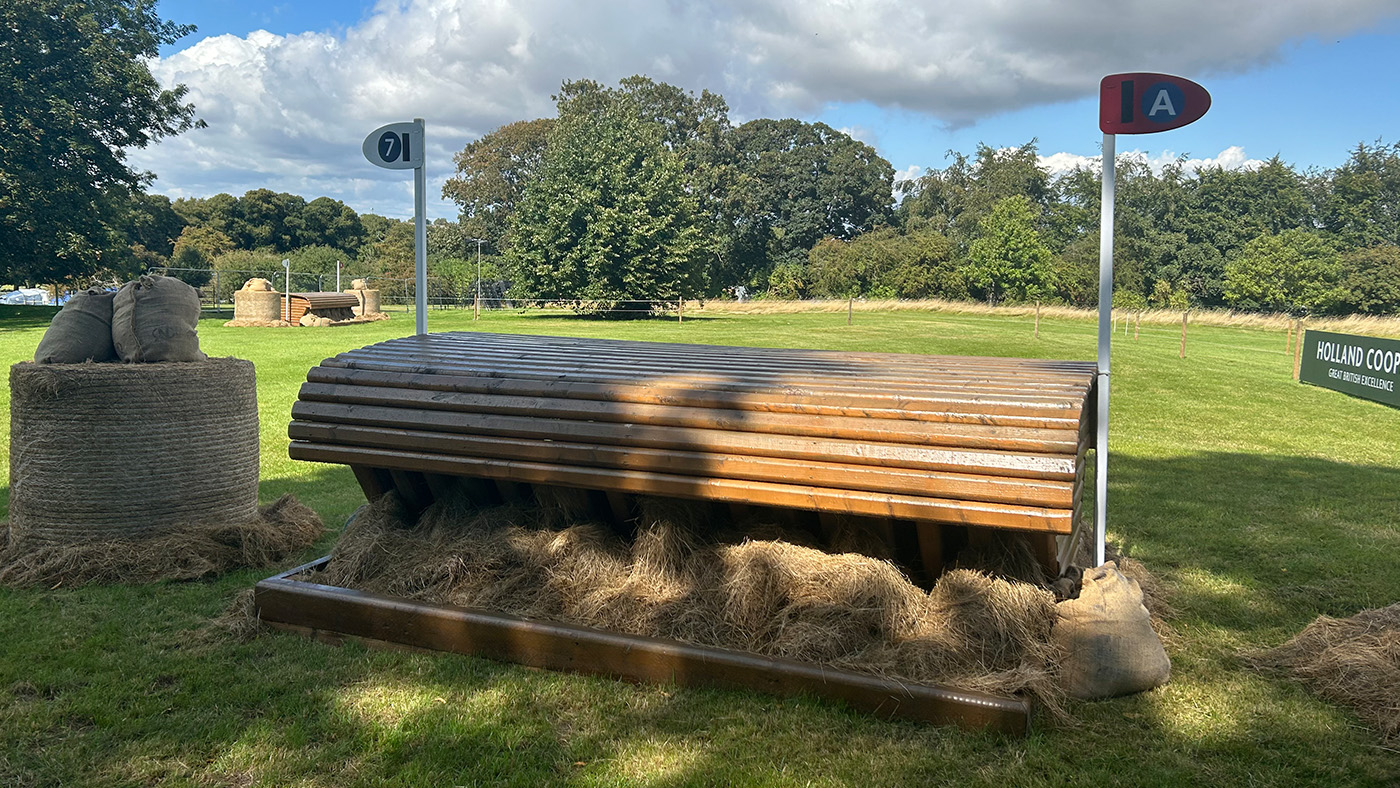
x=1362 y=366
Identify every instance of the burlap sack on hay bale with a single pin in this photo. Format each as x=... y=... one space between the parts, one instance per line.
x=369 y=306
x=257 y=305
x=1106 y=633
x=81 y=331
x=123 y=450
x=155 y=319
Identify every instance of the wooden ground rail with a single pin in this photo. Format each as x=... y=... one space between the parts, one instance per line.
x=917 y=443
x=293 y=601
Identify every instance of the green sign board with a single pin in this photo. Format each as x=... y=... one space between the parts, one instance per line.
x=1362 y=366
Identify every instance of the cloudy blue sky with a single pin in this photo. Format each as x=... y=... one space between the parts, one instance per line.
x=290 y=88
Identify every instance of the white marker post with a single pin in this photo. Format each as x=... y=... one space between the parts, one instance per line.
x=1105 y=339
x=399 y=146
x=287 y=290
x=1137 y=103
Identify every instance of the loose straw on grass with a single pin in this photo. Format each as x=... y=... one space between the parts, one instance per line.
x=184 y=552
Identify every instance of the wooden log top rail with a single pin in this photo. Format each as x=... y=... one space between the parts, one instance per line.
x=301 y=303
x=995 y=442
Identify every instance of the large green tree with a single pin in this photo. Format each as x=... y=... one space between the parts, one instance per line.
x=797 y=183
x=329 y=222
x=609 y=219
x=1371 y=280
x=76 y=93
x=1008 y=261
x=953 y=200
x=1361 y=203
x=1294 y=271
x=492 y=173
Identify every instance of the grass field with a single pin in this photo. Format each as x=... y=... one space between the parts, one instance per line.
x=1261 y=502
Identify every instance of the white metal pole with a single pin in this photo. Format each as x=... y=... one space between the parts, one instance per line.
x=337 y=276
x=420 y=232
x=287 y=286
x=1105 y=339
x=477 y=315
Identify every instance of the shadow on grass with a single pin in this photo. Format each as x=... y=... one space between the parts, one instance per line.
x=13 y=318
x=606 y=320
x=1253 y=543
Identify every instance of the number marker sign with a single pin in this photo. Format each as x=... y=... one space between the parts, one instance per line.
x=1137 y=103
x=399 y=146
x=1144 y=103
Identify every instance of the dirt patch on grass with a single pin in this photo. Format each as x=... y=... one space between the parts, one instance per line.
x=1352 y=661
x=185 y=552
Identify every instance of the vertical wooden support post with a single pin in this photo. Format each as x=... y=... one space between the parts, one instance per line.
x=931 y=550
x=1037 y=320
x=850 y=308
x=1183 y=332
x=1298 y=350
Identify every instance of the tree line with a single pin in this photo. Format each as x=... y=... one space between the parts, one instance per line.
x=646 y=192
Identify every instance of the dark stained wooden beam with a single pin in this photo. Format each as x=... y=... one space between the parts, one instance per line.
x=310 y=608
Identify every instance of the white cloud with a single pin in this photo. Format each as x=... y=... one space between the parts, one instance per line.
x=909 y=173
x=1232 y=158
x=288 y=112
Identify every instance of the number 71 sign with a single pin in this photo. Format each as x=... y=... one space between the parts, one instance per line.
x=399 y=146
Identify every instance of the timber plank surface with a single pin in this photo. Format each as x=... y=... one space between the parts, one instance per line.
x=310 y=608
x=996 y=442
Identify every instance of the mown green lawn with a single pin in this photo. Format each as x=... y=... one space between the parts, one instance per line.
x=1262 y=503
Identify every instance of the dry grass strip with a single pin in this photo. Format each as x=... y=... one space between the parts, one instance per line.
x=1350 y=324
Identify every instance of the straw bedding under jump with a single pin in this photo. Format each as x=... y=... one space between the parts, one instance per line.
x=1353 y=661
x=763 y=589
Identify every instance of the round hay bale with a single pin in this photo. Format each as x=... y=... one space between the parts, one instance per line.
x=100 y=451
x=263 y=305
x=369 y=302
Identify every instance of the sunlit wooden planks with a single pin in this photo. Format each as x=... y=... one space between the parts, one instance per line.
x=972 y=441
